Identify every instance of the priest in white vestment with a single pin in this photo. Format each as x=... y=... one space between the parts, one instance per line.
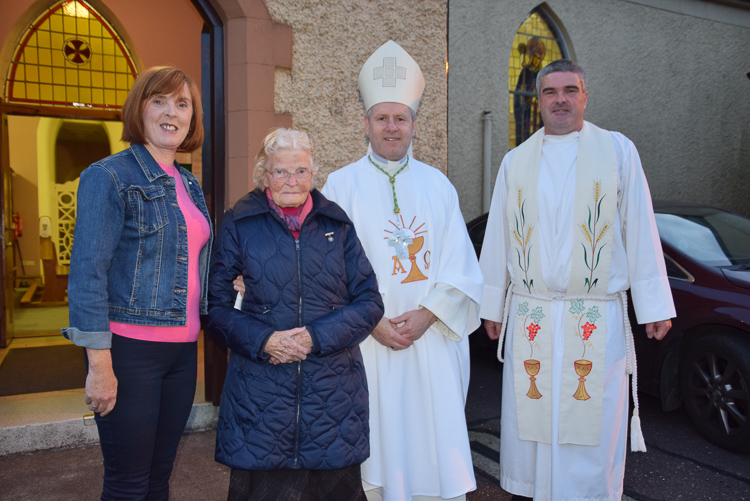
x=407 y=217
x=571 y=228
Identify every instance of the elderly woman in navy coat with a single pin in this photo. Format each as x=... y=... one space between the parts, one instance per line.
x=294 y=415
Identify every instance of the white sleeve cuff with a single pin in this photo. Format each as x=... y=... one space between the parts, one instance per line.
x=652 y=300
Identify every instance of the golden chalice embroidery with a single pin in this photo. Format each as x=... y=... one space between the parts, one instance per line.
x=408 y=245
x=583 y=367
x=529 y=332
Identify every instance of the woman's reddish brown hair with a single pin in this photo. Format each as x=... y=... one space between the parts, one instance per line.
x=167 y=81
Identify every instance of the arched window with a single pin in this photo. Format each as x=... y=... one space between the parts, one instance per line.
x=537 y=42
x=70 y=56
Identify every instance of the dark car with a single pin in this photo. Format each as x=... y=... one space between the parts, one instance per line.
x=704 y=361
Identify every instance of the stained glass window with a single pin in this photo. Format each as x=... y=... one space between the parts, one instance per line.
x=535 y=45
x=71 y=56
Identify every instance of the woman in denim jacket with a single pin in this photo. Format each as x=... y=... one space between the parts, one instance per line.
x=137 y=285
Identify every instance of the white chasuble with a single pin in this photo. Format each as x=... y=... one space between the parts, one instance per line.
x=422 y=257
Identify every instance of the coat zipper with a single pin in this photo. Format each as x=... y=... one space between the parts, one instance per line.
x=299 y=364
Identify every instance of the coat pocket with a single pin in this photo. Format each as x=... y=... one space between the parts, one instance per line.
x=149 y=207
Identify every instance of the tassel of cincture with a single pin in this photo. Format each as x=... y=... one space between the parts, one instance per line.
x=637 y=443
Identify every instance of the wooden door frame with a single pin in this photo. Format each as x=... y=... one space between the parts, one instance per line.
x=214 y=167
x=4 y=167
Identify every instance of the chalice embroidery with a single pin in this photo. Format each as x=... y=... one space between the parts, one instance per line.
x=529 y=332
x=583 y=367
x=407 y=245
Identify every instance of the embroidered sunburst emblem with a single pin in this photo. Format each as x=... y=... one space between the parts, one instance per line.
x=408 y=242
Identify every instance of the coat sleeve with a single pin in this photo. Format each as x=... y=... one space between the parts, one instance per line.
x=351 y=324
x=242 y=332
x=99 y=223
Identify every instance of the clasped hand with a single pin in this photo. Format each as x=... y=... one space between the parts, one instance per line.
x=398 y=333
x=289 y=346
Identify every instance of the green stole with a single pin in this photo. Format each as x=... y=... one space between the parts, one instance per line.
x=585 y=322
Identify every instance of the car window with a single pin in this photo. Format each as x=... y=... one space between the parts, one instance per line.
x=711 y=236
x=476 y=233
x=676 y=271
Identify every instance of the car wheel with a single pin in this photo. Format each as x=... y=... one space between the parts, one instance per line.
x=715 y=384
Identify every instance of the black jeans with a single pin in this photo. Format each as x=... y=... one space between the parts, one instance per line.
x=139 y=438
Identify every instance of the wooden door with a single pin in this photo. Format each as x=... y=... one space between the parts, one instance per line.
x=7 y=271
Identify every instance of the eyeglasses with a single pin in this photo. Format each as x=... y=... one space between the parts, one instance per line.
x=301 y=175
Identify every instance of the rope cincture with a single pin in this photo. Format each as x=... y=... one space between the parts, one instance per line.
x=392 y=179
x=503 y=327
x=637 y=442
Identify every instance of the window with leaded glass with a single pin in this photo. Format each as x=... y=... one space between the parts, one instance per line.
x=70 y=56
x=537 y=43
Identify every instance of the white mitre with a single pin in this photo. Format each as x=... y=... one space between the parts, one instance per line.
x=391 y=75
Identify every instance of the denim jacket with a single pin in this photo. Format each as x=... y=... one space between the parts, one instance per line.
x=129 y=262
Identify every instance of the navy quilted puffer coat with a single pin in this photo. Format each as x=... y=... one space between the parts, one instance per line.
x=311 y=414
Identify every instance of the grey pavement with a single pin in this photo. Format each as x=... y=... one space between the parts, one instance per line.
x=76 y=473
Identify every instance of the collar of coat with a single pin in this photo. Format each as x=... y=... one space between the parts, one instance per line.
x=255 y=203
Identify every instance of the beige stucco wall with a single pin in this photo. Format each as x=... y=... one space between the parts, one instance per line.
x=671 y=79
x=331 y=41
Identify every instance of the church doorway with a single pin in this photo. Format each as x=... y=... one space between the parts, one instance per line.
x=67 y=71
x=67 y=78
x=47 y=155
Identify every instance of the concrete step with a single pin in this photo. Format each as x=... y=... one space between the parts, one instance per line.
x=43 y=421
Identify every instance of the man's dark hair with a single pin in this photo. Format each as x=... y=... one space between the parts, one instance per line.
x=561 y=65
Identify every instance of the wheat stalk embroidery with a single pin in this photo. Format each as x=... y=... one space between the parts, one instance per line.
x=522 y=234
x=593 y=235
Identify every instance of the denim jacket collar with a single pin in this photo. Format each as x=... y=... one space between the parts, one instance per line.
x=147 y=162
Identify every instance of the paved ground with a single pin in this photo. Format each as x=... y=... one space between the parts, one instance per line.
x=64 y=475
x=76 y=474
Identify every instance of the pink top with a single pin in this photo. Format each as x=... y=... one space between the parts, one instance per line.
x=198 y=233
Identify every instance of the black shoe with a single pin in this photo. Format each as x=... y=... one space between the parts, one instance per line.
x=516 y=497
